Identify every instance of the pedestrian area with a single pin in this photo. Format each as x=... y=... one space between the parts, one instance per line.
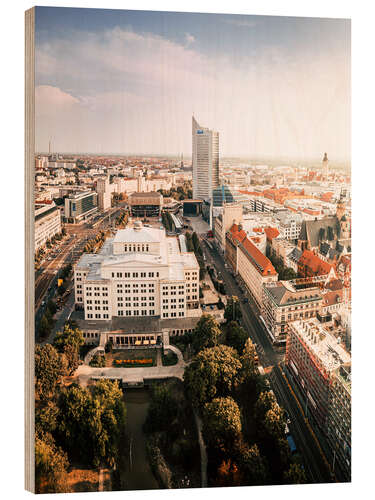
x=133 y=377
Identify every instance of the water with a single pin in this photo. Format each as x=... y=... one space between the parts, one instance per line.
x=138 y=474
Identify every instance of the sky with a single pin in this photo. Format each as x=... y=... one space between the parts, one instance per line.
x=128 y=82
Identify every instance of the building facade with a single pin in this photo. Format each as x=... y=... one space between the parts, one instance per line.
x=80 y=206
x=139 y=272
x=205 y=156
x=104 y=193
x=316 y=359
x=145 y=204
x=231 y=214
x=284 y=303
x=254 y=268
x=47 y=223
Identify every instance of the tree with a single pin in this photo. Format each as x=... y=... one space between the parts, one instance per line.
x=252 y=465
x=47 y=370
x=221 y=423
x=206 y=333
x=162 y=410
x=51 y=464
x=212 y=373
x=236 y=336
x=228 y=474
x=69 y=336
x=233 y=310
x=295 y=475
x=51 y=306
x=46 y=417
x=287 y=273
x=92 y=422
x=248 y=360
x=68 y=343
x=44 y=327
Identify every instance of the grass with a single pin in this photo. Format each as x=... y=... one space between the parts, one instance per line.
x=169 y=358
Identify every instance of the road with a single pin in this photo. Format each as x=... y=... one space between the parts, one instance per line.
x=316 y=465
x=69 y=251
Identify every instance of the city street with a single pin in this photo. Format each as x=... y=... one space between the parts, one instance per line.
x=68 y=252
x=315 y=463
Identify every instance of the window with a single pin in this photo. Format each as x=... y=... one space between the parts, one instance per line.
x=120 y=313
x=98 y=316
x=152 y=312
x=119 y=275
x=135 y=275
x=165 y=315
x=105 y=316
x=89 y=315
x=143 y=275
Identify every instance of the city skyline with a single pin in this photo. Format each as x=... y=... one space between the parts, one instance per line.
x=128 y=82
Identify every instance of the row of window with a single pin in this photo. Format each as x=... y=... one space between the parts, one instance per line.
x=136 y=248
x=128 y=312
x=136 y=275
x=172 y=314
x=97 y=316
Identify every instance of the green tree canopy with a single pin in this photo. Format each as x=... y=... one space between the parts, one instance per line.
x=162 y=410
x=212 y=373
x=92 y=422
x=68 y=343
x=221 y=423
x=252 y=465
x=295 y=475
x=47 y=370
x=51 y=464
x=236 y=336
x=233 y=310
x=206 y=333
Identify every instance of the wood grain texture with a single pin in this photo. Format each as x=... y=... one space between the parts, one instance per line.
x=29 y=248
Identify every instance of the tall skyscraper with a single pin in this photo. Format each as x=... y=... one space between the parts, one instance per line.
x=205 y=161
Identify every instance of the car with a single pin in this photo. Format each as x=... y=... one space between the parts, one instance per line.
x=245 y=300
x=212 y=308
x=203 y=307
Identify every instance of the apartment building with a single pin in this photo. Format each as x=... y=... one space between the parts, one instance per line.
x=104 y=193
x=47 y=223
x=139 y=272
x=285 y=302
x=313 y=354
x=250 y=263
x=339 y=418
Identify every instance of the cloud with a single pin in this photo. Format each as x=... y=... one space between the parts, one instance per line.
x=122 y=91
x=47 y=96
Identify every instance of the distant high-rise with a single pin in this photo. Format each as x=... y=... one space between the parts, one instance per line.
x=205 y=161
x=325 y=163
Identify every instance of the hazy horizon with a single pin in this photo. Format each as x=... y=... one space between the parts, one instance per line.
x=116 y=80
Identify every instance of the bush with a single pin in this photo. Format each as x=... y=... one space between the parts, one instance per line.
x=97 y=361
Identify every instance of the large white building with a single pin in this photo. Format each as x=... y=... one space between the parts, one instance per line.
x=205 y=161
x=47 y=223
x=139 y=272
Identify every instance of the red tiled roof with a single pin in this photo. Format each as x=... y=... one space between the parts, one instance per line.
x=261 y=263
x=314 y=263
x=271 y=233
x=236 y=234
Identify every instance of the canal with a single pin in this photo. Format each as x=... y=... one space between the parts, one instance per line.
x=137 y=474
